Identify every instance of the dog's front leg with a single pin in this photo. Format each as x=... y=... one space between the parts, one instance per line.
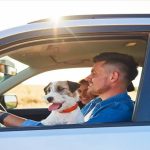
x=52 y=119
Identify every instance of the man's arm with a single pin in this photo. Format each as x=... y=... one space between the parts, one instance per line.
x=11 y=120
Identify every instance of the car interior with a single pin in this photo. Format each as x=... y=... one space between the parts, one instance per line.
x=63 y=53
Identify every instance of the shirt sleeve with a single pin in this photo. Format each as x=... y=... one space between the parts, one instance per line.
x=31 y=123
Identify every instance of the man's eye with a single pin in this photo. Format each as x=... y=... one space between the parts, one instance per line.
x=59 y=89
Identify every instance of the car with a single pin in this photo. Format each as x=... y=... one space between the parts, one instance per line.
x=44 y=46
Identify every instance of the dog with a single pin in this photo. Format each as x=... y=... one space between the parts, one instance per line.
x=64 y=108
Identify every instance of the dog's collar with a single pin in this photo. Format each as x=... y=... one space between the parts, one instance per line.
x=70 y=109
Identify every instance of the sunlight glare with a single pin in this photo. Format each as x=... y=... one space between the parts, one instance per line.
x=55 y=18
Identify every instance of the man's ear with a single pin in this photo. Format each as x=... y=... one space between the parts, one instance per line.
x=73 y=86
x=114 y=76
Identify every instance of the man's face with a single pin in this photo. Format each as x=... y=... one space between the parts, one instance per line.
x=99 y=79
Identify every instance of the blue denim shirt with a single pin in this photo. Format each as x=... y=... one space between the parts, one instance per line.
x=118 y=108
x=29 y=123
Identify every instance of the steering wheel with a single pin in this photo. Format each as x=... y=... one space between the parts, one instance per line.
x=2 y=108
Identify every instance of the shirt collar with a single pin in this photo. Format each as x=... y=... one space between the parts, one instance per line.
x=96 y=100
x=117 y=98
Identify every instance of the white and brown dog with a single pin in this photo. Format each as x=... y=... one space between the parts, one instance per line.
x=64 y=108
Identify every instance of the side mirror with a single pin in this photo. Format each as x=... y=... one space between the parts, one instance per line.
x=9 y=101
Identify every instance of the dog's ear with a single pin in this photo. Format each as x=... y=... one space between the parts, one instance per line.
x=47 y=89
x=73 y=86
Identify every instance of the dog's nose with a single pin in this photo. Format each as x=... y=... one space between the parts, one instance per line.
x=50 y=99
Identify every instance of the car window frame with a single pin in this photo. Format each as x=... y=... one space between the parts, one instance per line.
x=142 y=112
x=110 y=30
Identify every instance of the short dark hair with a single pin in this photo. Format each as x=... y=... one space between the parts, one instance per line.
x=126 y=62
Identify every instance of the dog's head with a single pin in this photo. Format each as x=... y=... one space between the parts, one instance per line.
x=62 y=94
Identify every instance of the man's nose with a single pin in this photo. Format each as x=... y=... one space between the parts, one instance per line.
x=88 y=78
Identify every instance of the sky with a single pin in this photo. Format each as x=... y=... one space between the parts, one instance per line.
x=16 y=13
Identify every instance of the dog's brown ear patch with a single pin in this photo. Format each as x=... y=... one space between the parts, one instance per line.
x=47 y=88
x=73 y=86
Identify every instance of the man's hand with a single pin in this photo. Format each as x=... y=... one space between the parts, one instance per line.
x=10 y=120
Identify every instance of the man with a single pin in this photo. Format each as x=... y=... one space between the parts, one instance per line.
x=110 y=76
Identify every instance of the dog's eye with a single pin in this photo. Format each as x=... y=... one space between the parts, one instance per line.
x=48 y=91
x=60 y=89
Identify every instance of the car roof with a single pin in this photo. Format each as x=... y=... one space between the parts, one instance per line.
x=75 y=40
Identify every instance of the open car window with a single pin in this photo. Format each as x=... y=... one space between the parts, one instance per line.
x=30 y=93
x=38 y=65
